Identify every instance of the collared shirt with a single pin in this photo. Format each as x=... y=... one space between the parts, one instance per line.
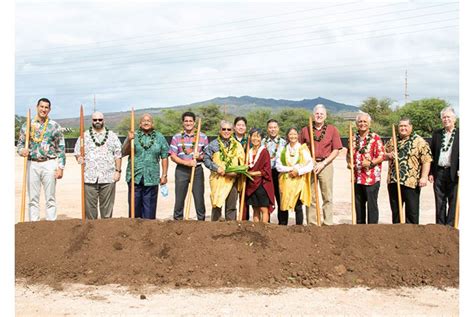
x=243 y=141
x=99 y=160
x=329 y=142
x=182 y=145
x=370 y=150
x=51 y=146
x=147 y=161
x=274 y=147
x=413 y=152
x=445 y=156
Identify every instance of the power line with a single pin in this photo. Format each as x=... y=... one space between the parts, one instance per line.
x=162 y=62
x=114 y=57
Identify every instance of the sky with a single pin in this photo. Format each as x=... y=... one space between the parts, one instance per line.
x=161 y=54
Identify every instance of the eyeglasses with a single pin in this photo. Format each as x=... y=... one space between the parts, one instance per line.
x=226 y=129
x=100 y=120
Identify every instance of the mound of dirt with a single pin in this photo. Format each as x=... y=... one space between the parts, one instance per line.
x=230 y=254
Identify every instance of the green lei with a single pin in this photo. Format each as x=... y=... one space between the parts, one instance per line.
x=358 y=146
x=227 y=153
x=404 y=150
x=95 y=140
x=445 y=147
x=149 y=144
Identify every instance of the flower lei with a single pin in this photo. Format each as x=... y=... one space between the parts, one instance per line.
x=323 y=133
x=277 y=142
x=227 y=153
x=358 y=147
x=95 y=140
x=185 y=149
x=149 y=143
x=33 y=131
x=445 y=147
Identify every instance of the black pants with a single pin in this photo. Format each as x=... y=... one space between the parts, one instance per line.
x=445 y=191
x=182 y=176
x=411 y=199
x=276 y=189
x=366 y=203
x=283 y=215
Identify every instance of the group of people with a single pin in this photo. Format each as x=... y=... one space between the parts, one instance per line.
x=281 y=171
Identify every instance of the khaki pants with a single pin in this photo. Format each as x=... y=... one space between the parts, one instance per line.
x=102 y=193
x=325 y=188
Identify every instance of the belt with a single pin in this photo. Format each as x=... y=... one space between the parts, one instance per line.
x=44 y=159
x=320 y=159
x=444 y=167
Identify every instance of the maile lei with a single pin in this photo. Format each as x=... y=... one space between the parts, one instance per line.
x=227 y=153
x=321 y=136
x=277 y=142
x=150 y=142
x=405 y=148
x=95 y=140
x=445 y=147
x=33 y=130
x=183 y=147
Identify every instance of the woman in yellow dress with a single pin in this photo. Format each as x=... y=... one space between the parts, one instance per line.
x=294 y=165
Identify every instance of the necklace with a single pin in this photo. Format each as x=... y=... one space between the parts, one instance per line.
x=33 y=130
x=359 y=141
x=321 y=136
x=277 y=142
x=445 y=147
x=150 y=142
x=227 y=153
x=405 y=148
x=95 y=140
x=292 y=151
x=185 y=149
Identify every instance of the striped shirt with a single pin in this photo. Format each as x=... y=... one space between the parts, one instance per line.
x=182 y=145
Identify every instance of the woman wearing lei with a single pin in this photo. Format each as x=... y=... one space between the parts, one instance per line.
x=295 y=166
x=220 y=154
x=259 y=192
x=150 y=147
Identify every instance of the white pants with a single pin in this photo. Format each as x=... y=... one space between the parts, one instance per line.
x=42 y=173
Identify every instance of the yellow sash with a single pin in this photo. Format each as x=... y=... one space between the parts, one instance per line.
x=294 y=188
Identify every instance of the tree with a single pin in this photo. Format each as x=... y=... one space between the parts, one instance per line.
x=211 y=116
x=379 y=109
x=424 y=114
x=292 y=117
x=258 y=118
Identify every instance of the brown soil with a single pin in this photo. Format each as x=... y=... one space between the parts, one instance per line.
x=230 y=254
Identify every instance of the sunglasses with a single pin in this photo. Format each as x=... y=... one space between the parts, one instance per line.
x=226 y=129
x=99 y=120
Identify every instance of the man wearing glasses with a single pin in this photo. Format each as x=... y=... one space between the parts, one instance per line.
x=223 y=152
x=102 y=169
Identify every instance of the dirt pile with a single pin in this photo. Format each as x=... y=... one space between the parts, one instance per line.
x=191 y=254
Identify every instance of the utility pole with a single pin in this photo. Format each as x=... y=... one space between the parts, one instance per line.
x=406 y=86
x=94 y=102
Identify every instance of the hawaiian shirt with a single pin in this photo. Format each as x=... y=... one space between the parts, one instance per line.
x=413 y=153
x=242 y=142
x=274 y=147
x=99 y=160
x=370 y=148
x=147 y=161
x=50 y=146
x=182 y=145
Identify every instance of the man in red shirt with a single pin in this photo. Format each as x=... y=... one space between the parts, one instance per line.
x=368 y=157
x=327 y=144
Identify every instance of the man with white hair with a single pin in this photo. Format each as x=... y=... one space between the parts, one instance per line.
x=445 y=167
x=368 y=156
x=102 y=167
x=327 y=144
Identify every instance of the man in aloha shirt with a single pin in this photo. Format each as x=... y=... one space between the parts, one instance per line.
x=223 y=152
x=46 y=159
x=414 y=159
x=102 y=167
x=368 y=155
